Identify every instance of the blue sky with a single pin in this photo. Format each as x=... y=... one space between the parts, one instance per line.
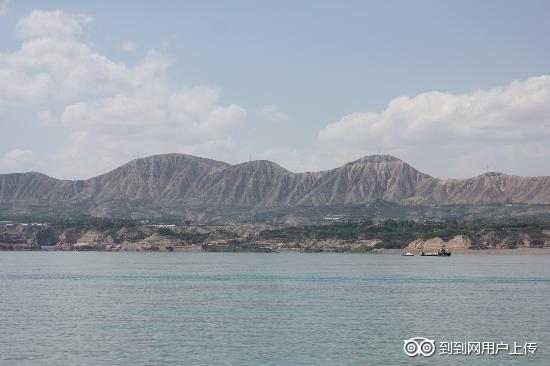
x=307 y=84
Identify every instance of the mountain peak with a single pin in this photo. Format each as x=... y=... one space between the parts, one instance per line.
x=175 y=157
x=262 y=165
x=377 y=159
x=179 y=184
x=492 y=174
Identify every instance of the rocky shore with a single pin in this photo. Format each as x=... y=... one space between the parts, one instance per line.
x=239 y=238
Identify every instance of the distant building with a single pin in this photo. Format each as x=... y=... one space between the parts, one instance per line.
x=334 y=218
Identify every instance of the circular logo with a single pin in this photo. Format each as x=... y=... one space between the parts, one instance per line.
x=419 y=346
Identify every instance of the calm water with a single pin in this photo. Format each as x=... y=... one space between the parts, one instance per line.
x=266 y=309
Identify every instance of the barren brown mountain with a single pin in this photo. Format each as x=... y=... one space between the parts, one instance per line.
x=183 y=185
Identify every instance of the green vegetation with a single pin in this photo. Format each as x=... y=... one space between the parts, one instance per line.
x=194 y=238
x=86 y=220
x=394 y=234
x=397 y=234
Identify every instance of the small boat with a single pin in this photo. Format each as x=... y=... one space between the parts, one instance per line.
x=428 y=254
x=442 y=253
x=408 y=254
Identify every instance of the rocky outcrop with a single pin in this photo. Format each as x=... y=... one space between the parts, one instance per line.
x=153 y=243
x=353 y=237
x=435 y=244
x=93 y=240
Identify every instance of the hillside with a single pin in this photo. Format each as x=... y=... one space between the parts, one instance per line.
x=176 y=185
x=360 y=236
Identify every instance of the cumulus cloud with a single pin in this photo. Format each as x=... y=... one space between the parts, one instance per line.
x=272 y=113
x=471 y=130
x=18 y=159
x=46 y=67
x=51 y=24
x=110 y=110
x=114 y=129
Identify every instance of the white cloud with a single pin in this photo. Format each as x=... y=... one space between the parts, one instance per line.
x=129 y=47
x=111 y=111
x=51 y=24
x=518 y=111
x=272 y=113
x=49 y=68
x=52 y=63
x=17 y=160
x=506 y=123
x=111 y=131
x=3 y=7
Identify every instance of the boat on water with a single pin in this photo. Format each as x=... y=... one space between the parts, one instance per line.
x=428 y=254
x=444 y=253
x=441 y=253
x=408 y=254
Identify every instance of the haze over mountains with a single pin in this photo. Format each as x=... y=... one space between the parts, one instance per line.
x=203 y=189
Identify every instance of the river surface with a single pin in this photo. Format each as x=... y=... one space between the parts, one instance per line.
x=77 y=308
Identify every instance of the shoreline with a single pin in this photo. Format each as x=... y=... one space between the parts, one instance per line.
x=499 y=251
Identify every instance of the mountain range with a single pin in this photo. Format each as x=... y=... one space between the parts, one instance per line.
x=177 y=185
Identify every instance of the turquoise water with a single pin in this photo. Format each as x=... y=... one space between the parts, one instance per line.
x=69 y=308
